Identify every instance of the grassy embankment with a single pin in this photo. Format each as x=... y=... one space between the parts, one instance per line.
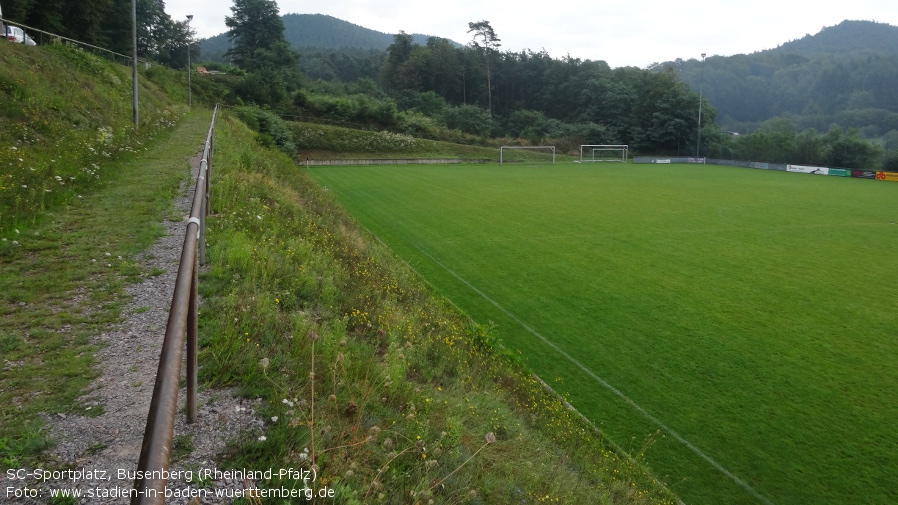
x=393 y=395
x=322 y=142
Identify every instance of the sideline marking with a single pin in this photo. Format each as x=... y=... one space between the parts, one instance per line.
x=605 y=384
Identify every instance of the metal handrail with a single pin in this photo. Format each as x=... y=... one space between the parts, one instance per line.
x=181 y=332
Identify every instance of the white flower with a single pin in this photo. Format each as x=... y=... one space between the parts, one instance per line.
x=262 y=438
x=274 y=419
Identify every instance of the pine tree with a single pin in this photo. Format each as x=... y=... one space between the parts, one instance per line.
x=257 y=33
x=489 y=44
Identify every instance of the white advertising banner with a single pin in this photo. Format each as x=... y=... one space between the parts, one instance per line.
x=807 y=170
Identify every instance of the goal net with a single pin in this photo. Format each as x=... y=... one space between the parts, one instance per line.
x=590 y=153
x=506 y=154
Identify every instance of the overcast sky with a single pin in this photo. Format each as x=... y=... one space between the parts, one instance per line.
x=635 y=32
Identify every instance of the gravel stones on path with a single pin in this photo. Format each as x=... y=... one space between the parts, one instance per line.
x=102 y=451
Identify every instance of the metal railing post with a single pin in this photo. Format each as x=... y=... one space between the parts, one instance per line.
x=155 y=452
x=201 y=187
x=192 y=330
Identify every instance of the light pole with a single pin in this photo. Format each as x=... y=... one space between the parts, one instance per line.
x=190 y=71
x=701 y=92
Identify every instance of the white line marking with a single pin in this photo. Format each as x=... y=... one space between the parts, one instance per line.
x=606 y=385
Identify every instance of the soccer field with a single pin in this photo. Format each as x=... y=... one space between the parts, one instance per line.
x=748 y=316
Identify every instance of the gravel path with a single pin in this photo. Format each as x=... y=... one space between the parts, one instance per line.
x=105 y=448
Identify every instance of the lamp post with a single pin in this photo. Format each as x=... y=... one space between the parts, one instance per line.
x=189 y=70
x=701 y=92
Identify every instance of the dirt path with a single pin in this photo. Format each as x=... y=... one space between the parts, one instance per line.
x=100 y=454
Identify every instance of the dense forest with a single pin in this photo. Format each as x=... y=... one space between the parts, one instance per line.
x=479 y=90
x=107 y=24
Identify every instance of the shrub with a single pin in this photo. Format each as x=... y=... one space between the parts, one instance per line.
x=271 y=128
x=469 y=119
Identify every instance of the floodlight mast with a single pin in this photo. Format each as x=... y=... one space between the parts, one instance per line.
x=701 y=92
x=189 y=70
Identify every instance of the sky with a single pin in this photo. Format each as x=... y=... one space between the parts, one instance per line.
x=629 y=33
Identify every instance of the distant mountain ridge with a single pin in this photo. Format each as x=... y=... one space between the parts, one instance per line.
x=846 y=38
x=845 y=74
x=319 y=31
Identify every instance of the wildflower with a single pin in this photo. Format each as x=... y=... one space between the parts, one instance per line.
x=274 y=419
x=264 y=363
x=262 y=438
x=490 y=438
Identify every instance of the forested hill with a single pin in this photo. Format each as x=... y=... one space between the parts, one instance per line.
x=849 y=38
x=315 y=31
x=844 y=75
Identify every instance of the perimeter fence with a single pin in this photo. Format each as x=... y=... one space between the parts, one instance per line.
x=782 y=167
x=41 y=38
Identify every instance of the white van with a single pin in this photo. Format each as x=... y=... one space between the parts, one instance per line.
x=18 y=35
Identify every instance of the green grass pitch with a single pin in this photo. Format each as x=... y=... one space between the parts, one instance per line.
x=747 y=317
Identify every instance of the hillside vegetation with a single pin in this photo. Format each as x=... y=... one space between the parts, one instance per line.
x=364 y=373
x=843 y=75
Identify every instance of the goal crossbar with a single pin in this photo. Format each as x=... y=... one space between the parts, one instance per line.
x=588 y=152
x=503 y=148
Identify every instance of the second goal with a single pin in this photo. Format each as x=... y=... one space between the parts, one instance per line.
x=600 y=152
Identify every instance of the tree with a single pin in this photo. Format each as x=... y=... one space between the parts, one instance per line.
x=848 y=150
x=257 y=34
x=489 y=44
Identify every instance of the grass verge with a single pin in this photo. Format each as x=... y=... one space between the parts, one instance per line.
x=61 y=283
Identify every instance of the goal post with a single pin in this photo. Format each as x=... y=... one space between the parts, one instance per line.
x=601 y=152
x=502 y=150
